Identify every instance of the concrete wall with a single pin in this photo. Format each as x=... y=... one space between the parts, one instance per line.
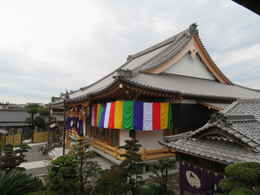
x=149 y=139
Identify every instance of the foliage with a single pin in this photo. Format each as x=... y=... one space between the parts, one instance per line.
x=132 y=166
x=78 y=173
x=151 y=189
x=87 y=168
x=39 y=122
x=63 y=176
x=11 y=157
x=160 y=170
x=127 y=177
x=17 y=182
x=241 y=179
x=34 y=109
x=111 y=182
x=75 y=172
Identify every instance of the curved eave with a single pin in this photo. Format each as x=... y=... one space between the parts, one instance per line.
x=210 y=158
x=179 y=93
x=111 y=89
x=91 y=95
x=216 y=71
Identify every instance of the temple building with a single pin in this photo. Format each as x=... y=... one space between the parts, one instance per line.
x=169 y=88
x=230 y=136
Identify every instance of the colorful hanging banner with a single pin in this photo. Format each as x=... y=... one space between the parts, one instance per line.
x=132 y=115
x=118 y=115
x=74 y=125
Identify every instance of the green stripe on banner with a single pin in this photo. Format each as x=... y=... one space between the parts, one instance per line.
x=170 y=118
x=128 y=115
x=100 y=114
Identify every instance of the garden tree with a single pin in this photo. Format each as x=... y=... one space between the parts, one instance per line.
x=39 y=122
x=43 y=111
x=132 y=166
x=160 y=170
x=88 y=169
x=111 y=182
x=18 y=182
x=32 y=109
x=241 y=179
x=11 y=157
x=63 y=176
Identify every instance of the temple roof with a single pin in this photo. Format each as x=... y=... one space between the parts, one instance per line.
x=233 y=135
x=147 y=68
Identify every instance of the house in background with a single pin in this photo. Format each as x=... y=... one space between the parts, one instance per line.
x=169 y=88
x=13 y=121
x=56 y=119
x=13 y=118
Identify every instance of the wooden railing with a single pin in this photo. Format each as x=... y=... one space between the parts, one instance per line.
x=156 y=153
x=145 y=154
x=113 y=151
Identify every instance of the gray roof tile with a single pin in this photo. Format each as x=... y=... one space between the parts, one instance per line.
x=192 y=86
x=237 y=120
x=216 y=150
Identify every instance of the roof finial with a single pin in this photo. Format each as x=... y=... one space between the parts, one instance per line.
x=193 y=29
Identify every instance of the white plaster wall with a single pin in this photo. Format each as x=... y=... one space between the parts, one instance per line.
x=124 y=135
x=190 y=67
x=149 y=139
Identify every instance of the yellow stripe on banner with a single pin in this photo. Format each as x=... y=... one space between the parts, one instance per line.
x=118 y=114
x=164 y=110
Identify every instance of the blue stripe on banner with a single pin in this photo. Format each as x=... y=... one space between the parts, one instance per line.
x=138 y=115
x=103 y=116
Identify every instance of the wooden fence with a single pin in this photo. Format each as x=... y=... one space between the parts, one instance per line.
x=39 y=137
x=12 y=139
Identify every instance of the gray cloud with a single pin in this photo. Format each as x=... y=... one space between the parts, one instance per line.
x=48 y=47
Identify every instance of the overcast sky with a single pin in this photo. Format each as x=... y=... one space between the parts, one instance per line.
x=48 y=46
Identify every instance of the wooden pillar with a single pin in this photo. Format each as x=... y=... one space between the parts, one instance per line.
x=64 y=128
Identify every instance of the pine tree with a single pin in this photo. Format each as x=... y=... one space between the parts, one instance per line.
x=132 y=166
x=88 y=168
x=160 y=170
x=11 y=157
x=241 y=179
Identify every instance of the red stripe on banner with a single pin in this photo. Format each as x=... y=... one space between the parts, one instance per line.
x=111 y=122
x=95 y=115
x=156 y=116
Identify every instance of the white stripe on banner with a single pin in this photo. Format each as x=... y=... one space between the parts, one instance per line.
x=148 y=117
x=107 y=115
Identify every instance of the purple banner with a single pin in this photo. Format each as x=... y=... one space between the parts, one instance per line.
x=198 y=180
